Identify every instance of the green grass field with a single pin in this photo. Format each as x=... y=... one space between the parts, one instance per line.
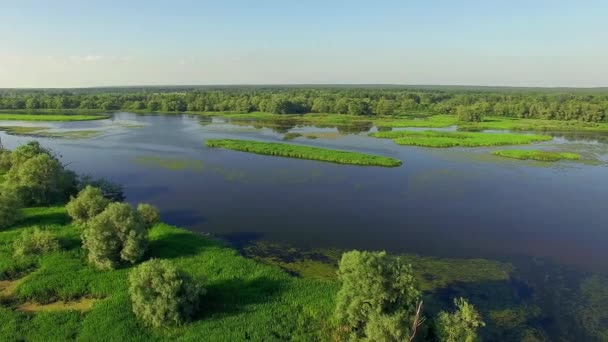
x=58 y=296
x=50 y=117
x=462 y=139
x=304 y=152
x=504 y=123
x=537 y=155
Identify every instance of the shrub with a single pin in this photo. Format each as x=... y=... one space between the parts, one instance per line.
x=467 y=114
x=10 y=208
x=112 y=191
x=162 y=295
x=378 y=298
x=89 y=203
x=41 y=180
x=5 y=160
x=115 y=236
x=149 y=214
x=461 y=325
x=34 y=242
x=28 y=151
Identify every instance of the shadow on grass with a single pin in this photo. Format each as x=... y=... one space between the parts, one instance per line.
x=177 y=245
x=45 y=218
x=231 y=296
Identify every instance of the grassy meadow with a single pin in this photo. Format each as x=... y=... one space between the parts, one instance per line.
x=303 y=152
x=58 y=296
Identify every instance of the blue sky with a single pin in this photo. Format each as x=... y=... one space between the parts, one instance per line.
x=91 y=43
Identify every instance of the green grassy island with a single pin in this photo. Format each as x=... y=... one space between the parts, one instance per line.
x=304 y=152
x=50 y=117
x=537 y=155
x=463 y=139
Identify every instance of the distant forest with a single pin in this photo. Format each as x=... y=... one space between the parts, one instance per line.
x=590 y=105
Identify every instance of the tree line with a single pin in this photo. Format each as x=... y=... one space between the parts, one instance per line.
x=583 y=106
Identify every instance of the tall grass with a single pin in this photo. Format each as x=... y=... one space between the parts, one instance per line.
x=537 y=155
x=464 y=139
x=304 y=152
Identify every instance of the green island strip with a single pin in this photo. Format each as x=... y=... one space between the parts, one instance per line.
x=463 y=139
x=304 y=152
x=50 y=117
x=537 y=155
x=42 y=132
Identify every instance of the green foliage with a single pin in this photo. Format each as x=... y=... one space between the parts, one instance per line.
x=35 y=242
x=116 y=236
x=149 y=214
x=112 y=191
x=38 y=177
x=537 y=155
x=304 y=152
x=468 y=114
x=162 y=295
x=5 y=161
x=463 y=139
x=461 y=325
x=10 y=207
x=377 y=301
x=88 y=203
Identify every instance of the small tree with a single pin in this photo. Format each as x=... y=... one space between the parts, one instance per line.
x=162 y=295
x=34 y=242
x=115 y=236
x=10 y=208
x=149 y=214
x=89 y=203
x=461 y=325
x=464 y=113
x=378 y=300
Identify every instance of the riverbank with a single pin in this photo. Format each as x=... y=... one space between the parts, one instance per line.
x=51 y=117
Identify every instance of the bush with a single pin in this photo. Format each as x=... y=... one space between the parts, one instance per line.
x=467 y=114
x=162 y=295
x=112 y=191
x=461 y=325
x=5 y=160
x=149 y=214
x=34 y=242
x=115 y=236
x=41 y=180
x=378 y=298
x=10 y=208
x=89 y=203
x=28 y=151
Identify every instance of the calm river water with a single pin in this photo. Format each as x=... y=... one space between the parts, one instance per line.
x=457 y=202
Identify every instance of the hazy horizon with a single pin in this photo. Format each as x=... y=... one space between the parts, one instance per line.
x=72 y=44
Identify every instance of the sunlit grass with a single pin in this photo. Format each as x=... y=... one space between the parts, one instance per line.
x=304 y=152
x=463 y=139
x=537 y=155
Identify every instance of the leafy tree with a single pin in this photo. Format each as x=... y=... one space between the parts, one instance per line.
x=162 y=295
x=461 y=325
x=10 y=208
x=90 y=202
x=5 y=161
x=378 y=299
x=149 y=214
x=468 y=114
x=28 y=151
x=117 y=235
x=35 y=242
x=41 y=180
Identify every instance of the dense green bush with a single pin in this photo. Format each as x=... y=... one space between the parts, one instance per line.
x=461 y=325
x=89 y=203
x=5 y=160
x=149 y=214
x=468 y=114
x=10 y=208
x=117 y=235
x=38 y=177
x=35 y=242
x=162 y=295
x=378 y=298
